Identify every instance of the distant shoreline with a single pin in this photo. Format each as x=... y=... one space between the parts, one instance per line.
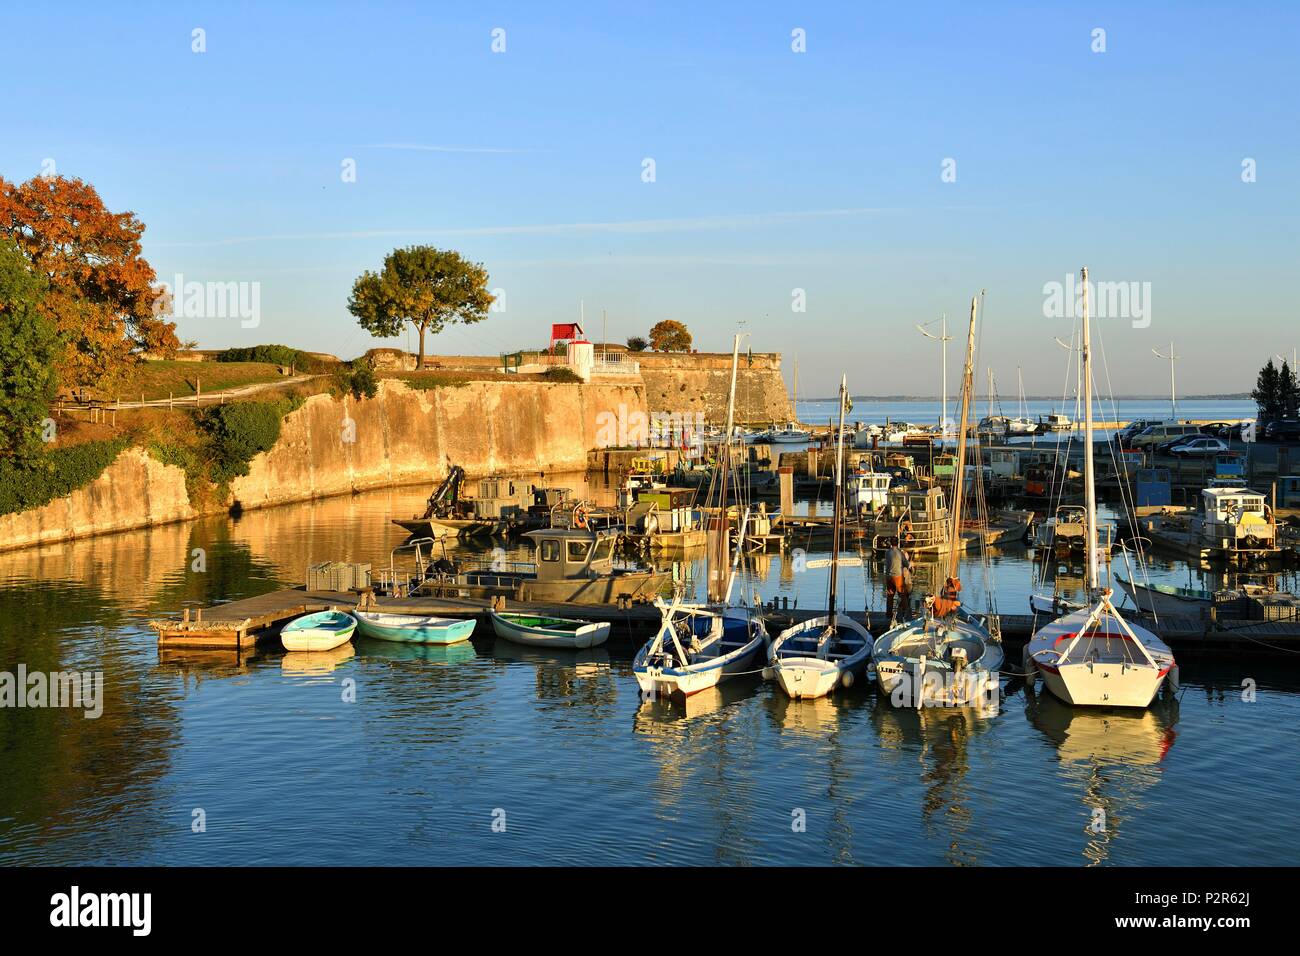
x=1237 y=397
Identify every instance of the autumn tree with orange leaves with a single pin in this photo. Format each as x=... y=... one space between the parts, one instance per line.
x=100 y=291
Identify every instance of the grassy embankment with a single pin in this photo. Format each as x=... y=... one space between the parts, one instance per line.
x=213 y=443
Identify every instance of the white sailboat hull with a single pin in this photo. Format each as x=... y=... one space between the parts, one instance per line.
x=1109 y=663
x=1104 y=685
x=807 y=676
x=908 y=682
x=657 y=678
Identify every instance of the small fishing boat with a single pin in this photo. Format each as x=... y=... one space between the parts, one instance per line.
x=538 y=630
x=788 y=434
x=413 y=628
x=1166 y=598
x=945 y=656
x=933 y=661
x=812 y=659
x=697 y=646
x=322 y=631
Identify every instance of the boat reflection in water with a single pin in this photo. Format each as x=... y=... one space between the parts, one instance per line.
x=707 y=767
x=939 y=738
x=1113 y=755
x=315 y=663
x=565 y=676
x=833 y=726
x=658 y=711
x=441 y=654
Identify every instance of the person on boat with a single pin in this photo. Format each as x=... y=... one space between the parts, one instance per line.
x=948 y=600
x=898 y=568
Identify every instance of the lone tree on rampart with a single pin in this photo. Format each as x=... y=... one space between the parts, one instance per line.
x=427 y=287
x=670 y=336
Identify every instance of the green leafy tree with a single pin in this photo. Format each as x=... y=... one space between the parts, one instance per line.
x=29 y=349
x=1268 y=393
x=670 y=336
x=637 y=344
x=424 y=286
x=1288 y=392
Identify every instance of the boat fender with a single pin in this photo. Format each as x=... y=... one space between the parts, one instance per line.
x=769 y=673
x=847 y=679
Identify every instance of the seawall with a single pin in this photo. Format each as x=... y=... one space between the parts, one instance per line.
x=334 y=446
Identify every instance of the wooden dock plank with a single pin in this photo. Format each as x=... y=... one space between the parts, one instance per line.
x=239 y=624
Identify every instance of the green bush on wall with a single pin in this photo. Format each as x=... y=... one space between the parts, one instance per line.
x=59 y=472
x=275 y=354
x=238 y=431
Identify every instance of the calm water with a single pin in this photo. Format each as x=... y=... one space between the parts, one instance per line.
x=438 y=745
x=927 y=412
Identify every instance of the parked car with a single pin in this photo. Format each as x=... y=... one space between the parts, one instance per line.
x=1199 y=447
x=1165 y=447
x=1282 y=430
x=1133 y=428
x=1156 y=435
x=1219 y=429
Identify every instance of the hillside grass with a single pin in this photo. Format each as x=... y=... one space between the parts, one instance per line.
x=157 y=379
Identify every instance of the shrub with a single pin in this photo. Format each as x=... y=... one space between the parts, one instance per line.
x=560 y=374
x=58 y=472
x=358 y=378
x=637 y=344
x=237 y=432
x=275 y=354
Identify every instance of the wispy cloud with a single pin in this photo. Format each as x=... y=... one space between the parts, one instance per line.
x=630 y=227
x=436 y=148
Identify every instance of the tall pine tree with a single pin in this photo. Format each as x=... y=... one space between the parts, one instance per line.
x=1288 y=392
x=1268 y=393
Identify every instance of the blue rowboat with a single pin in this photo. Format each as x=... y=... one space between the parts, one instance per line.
x=322 y=631
x=414 y=628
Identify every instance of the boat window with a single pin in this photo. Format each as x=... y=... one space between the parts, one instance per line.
x=550 y=550
x=604 y=548
x=578 y=550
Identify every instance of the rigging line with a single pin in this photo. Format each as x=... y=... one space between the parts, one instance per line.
x=1127 y=496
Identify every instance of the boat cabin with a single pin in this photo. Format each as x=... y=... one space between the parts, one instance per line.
x=568 y=553
x=918 y=517
x=869 y=490
x=1003 y=462
x=1236 y=519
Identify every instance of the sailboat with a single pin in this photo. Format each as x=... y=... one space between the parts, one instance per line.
x=945 y=656
x=1022 y=424
x=696 y=645
x=1092 y=656
x=813 y=658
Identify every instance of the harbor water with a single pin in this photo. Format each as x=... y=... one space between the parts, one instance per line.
x=487 y=753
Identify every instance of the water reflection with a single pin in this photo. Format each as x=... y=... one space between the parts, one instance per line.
x=710 y=779
x=315 y=663
x=939 y=739
x=571 y=677
x=1112 y=757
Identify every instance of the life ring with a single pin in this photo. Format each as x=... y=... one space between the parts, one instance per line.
x=580 y=517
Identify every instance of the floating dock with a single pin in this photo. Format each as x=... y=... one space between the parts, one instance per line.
x=239 y=625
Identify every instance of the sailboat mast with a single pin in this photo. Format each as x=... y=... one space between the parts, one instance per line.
x=1089 y=486
x=959 y=479
x=722 y=545
x=839 y=494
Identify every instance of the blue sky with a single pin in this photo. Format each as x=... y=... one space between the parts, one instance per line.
x=774 y=170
